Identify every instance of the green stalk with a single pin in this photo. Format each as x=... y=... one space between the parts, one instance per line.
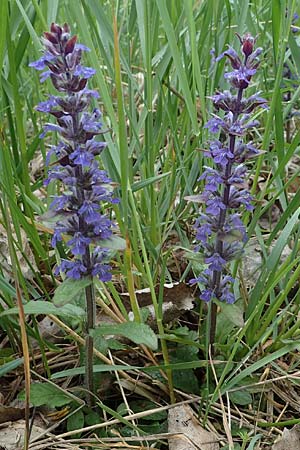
x=150 y=161
x=284 y=423
x=272 y=310
x=89 y=340
x=130 y=283
x=40 y=14
x=121 y=125
x=19 y=121
x=276 y=93
x=153 y=295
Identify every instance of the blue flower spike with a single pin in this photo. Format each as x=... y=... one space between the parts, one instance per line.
x=219 y=228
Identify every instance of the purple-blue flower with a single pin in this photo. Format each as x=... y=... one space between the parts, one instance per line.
x=215 y=262
x=48 y=105
x=102 y=229
x=42 y=62
x=79 y=243
x=213 y=179
x=50 y=127
x=240 y=77
x=80 y=156
x=73 y=269
x=84 y=72
x=90 y=211
x=221 y=155
x=203 y=232
x=214 y=205
x=207 y=295
x=215 y=124
x=90 y=122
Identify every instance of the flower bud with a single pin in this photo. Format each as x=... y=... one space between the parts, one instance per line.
x=56 y=29
x=70 y=45
x=247 y=42
x=51 y=37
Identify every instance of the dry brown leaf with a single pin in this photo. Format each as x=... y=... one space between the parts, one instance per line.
x=12 y=435
x=5 y=260
x=7 y=414
x=191 y=436
x=290 y=439
x=49 y=331
x=137 y=389
x=253 y=261
x=177 y=298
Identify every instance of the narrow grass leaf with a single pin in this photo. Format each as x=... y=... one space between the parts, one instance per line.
x=144 y=183
x=11 y=365
x=282 y=241
x=172 y=41
x=4 y=18
x=35 y=38
x=99 y=368
x=263 y=362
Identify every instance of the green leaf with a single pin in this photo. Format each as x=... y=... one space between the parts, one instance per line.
x=70 y=291
x=242 y=398
x=114 y=243
x=143 y=405
x=4 y=14
x=35 y=38
x=263 y=362
x=144 y=183
x=47 y=394
x=231 y=236
x=234 y=313
x=49 y=218
x=40 y=307
x=92 y=418
x=139 y=333
x=114 y=344
x=154 y=427
x=182 y=74
x=75 y=421
x=186 y=380
x=294 y=51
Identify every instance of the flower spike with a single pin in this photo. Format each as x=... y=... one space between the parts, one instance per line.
x=86 y=187
x=219 y=228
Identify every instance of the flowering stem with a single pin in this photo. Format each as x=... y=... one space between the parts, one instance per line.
x=90 y=289
x=90 y=325
x=89 y=341
x=220 y=230
x=217 y=275
x=78 y=208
